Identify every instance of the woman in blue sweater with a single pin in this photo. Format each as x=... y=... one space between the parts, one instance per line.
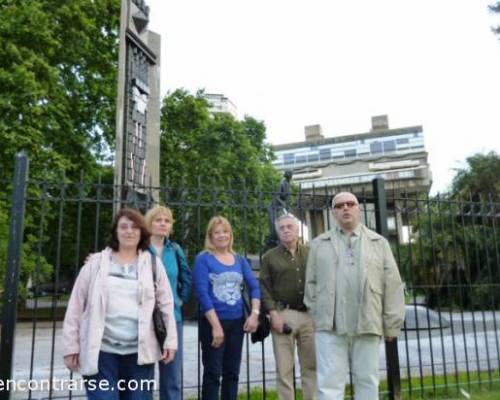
x=218 y=276
x=160 y=221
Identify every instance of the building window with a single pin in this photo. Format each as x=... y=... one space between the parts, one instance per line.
x=325 y=154
x=289 y=158
x=300 y=159
x=389 y=146
x=350 y=153
x=313 y=158
x=402 y=141
x=375 y=147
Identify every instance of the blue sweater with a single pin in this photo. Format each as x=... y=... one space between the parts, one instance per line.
x=175 y=274
x=218 y=286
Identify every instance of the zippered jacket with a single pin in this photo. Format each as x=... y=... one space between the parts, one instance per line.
x=84 y=321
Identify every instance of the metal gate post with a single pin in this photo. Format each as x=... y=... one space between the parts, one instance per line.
x=391 y=348
x=9 y=308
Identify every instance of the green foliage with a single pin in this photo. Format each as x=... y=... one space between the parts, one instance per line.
x=32 y=263
x=58 y=67
x=202 y=152
x=480 y=176
x=452 y=258
x=453 y=255
x=57 y=83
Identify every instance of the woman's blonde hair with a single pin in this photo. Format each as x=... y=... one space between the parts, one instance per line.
x=154 y=212
x=212 y=224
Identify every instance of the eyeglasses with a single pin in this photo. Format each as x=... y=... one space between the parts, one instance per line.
x=349 y=204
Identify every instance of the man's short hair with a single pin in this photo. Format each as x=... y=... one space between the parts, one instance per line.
x=343 y=193
x=285 y=216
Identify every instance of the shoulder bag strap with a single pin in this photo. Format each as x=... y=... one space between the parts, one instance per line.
x=180 y=281
x=243 y=287
x=153 y=266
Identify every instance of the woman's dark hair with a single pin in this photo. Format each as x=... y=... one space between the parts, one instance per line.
x=138 y=220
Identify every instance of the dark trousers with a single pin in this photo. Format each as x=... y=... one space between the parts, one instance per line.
x=222 y=361
x=170 y=374
x=120 y=378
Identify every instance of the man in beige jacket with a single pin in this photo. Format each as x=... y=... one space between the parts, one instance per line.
x=355 y=296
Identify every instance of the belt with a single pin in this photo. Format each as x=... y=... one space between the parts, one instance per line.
x=286 y=306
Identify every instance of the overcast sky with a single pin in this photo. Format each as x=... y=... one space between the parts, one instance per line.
x=336 y=63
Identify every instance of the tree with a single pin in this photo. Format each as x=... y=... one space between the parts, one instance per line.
x=215 y=164
x=57 y=82
x=454 y=256
x=495 y=8
x=58 y=68
x=479 y=176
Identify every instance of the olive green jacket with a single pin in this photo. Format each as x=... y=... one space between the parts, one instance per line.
x=382 y=303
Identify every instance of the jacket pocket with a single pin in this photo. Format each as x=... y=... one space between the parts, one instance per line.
x=371 y=313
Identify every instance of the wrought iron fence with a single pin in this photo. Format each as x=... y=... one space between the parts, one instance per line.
x=447 y=250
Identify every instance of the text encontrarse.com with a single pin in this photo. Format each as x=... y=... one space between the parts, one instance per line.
x=23 y=385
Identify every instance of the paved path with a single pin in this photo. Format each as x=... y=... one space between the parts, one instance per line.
x=473 y=343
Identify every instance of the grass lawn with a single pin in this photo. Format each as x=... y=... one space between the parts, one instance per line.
x=457 y=388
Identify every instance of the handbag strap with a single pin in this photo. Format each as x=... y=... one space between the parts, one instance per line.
x=180 y=270
x=153 y=266
x=243 y=287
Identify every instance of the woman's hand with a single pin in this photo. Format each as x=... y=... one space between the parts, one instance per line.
x=218 y=336
x=251 y=323
x=72 y=361
x=168 y=355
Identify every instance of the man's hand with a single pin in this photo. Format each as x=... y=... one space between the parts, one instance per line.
x=72 y=361
x=218 y=336
x=251 y=323
x=168 y=355
x=277 y=321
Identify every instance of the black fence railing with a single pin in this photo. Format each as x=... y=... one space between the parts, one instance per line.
x=447 y=250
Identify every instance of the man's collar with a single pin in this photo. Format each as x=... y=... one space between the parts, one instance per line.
x=355 y=232
x=287 y=250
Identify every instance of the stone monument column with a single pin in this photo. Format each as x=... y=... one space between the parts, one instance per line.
x=137 y=161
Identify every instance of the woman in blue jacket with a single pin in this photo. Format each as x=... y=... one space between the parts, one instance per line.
x=218 y=275
x=160 y=221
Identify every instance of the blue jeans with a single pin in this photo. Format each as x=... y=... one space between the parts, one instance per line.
x=224 y=360
x=170 y=374
x=120 y=378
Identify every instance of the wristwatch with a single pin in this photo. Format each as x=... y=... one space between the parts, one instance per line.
x=255 y=311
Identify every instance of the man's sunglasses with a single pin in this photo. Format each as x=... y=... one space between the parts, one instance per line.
x=349 y=204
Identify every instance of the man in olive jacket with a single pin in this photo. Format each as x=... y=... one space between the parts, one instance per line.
x=355 y=296
x=282 y=278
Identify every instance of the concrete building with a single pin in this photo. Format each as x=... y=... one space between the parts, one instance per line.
x=328 y=165
x=218 y=103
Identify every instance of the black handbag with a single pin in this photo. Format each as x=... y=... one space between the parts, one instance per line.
x=264 y=328
x=158 y=322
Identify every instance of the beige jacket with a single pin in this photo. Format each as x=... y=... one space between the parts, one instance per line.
x=83 y=325
x=382 y=304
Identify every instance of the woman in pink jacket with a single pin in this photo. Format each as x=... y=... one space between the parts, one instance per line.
x=108 y=332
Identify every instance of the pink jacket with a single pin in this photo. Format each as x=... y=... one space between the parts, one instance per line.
x=83 y=325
